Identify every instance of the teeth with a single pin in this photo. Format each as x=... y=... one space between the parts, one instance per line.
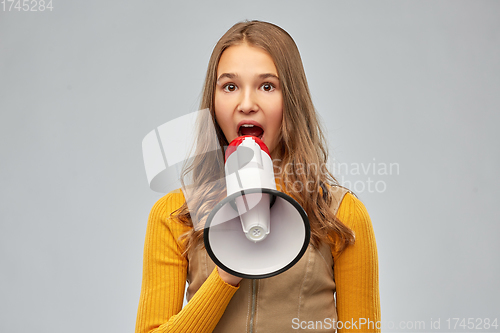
x=247 y=125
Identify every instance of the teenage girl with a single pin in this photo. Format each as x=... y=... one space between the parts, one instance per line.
x=255 y=77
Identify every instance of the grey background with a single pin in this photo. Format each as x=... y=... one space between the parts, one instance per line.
x=409 y=82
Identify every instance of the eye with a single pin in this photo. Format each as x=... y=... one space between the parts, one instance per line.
x=268 y=87
x=229 y=87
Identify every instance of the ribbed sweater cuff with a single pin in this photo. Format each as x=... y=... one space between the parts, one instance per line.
x=207 y=306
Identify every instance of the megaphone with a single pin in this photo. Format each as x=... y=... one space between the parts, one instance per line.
x=257 y=231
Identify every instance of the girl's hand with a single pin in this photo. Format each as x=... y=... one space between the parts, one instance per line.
x=228 y=278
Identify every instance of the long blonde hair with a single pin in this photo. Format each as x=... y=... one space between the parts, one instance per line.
x=303 y=144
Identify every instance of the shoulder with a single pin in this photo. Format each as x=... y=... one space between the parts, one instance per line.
x=169 y=202
x=160 y=215
x=352 y=212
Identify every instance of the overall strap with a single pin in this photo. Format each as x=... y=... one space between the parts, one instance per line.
x=338 y=192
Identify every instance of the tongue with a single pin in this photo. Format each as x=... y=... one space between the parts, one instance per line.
x=255 y=131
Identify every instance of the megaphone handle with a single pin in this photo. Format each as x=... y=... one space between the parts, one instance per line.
x=241 y=186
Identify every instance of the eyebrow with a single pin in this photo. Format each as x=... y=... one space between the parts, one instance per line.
x=233 y=76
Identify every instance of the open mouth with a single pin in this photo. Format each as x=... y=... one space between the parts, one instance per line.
x=247 y=129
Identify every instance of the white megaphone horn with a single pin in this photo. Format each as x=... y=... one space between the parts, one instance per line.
x=256 y=231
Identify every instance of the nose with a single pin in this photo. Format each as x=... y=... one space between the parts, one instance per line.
x=248 y=102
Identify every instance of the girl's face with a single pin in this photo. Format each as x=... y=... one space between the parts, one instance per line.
x=248 y=98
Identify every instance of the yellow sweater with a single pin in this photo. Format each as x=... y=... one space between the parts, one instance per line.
x=165 y=270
